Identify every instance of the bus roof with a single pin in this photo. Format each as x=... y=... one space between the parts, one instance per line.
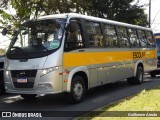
x=76 y=15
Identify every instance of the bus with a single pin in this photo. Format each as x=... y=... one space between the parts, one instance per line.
x=157 y=71
x=72 y=53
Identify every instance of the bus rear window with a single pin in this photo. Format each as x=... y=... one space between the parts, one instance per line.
x=133 y=38
x=123 y=38
x=111 y=37
x=151 y=42
x=142 y=38
x=94 y=34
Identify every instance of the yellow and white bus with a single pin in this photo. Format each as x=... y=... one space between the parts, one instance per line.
x=72 y=53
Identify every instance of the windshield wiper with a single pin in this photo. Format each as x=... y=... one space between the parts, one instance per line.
x=16 y=50
x=45 y=48
x=37 y=48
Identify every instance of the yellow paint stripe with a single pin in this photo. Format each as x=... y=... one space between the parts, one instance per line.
x=90 y=58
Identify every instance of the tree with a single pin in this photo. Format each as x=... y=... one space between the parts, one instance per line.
x=119 y=10
x=2 y=52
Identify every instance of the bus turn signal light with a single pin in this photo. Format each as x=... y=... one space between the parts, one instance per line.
x=65 y=80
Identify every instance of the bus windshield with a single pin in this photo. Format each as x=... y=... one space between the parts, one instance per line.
x=37 y=36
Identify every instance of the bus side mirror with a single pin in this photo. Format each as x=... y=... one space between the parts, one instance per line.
x=73 y=25
x=4 y=31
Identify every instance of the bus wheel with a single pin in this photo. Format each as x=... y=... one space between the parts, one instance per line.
x=138 y=79
x=28 y=96
x=2 y=88
x=77 y=90
x=153 y=74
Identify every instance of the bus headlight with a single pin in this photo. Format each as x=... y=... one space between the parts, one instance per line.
x=48 y=70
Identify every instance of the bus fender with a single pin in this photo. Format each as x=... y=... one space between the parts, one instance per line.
x=136 y=65
x=73 y=72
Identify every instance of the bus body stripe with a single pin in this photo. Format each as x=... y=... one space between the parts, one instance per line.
x=72 y=59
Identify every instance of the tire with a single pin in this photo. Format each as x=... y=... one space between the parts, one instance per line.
x=28 y=96
x=153 y=74
x=2 y=88
x=77 y=90
x=138 y=79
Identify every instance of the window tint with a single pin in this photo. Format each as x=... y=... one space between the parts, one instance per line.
x=142 y=38
x=133 y=38
x=111 y=37
x=151 y=42
x=123 y=38
x=74 y=39
x=94 y=34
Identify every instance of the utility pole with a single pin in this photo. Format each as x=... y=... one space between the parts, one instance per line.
x=149 y=13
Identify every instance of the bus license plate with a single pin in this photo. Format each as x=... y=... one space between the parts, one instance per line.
x=22 y=80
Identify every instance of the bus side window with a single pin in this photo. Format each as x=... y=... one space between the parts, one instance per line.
x=94 y=34
x=111 y=37
x=133 y=38
x=142 y=38
x=74 y=39
x=150 y=39
x=123 y=38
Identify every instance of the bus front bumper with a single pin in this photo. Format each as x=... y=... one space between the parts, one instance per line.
x=39 y=89
x=47 y=84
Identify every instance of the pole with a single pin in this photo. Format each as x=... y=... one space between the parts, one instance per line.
x=149 y=13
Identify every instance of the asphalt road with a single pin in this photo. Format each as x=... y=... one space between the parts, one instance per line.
x=95 y=98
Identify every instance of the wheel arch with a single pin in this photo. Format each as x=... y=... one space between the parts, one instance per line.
x=84 y=75
x=139 y=63
x=81 y=71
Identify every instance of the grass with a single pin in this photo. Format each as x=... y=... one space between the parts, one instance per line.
x=146 y=100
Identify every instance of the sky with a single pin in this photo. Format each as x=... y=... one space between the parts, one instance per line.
x=155 y=14
x=155 y=20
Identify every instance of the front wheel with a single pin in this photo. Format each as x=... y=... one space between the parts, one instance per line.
x=138 y=79
x=77 y=90
x=2 y=88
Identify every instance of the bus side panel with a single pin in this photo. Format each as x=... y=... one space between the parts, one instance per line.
x=110 y=65
x=104 y=66
x=93 y=81
x=150 y=60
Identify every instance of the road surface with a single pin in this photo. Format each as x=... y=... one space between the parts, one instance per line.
x=95 y=98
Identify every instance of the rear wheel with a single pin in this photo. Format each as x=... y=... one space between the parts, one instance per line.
x=28 y=96
x=138 y=79
x=153 y=74
x=77 y=90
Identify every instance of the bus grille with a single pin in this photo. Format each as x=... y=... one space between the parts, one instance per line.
x=27 y=74
x=23 y=85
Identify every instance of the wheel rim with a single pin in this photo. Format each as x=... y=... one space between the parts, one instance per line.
x=77 y=90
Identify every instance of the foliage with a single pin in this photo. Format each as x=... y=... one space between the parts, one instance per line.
x=119 y=10
x=147 y=101
x=2 y=51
